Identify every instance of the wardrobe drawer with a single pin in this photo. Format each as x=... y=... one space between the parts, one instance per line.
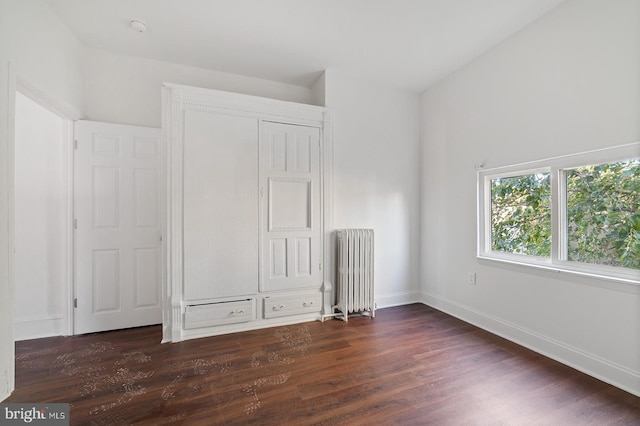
x=279 y=306
x=212 y=314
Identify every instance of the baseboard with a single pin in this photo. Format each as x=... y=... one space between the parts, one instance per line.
x=602 y=369
x=6 y=385
x=38 y=327
x=397 y=299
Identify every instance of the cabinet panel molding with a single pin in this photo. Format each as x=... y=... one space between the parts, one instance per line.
x=279 y=306
x=213 y=314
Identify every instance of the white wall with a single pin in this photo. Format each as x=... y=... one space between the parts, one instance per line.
x=126 y=89
x=568 y=83
x=43 y=53
x=318 y=91
x=42 y=193
x=377 y=177
x=376 y=146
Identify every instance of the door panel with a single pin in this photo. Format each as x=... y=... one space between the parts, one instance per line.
x=145 y=198
x=147 y=267
x=289 y=204
x=221 y=216
x=290 y=180
x=105 y=194
x=303 y=257
x=118 y=240
x=105 y=281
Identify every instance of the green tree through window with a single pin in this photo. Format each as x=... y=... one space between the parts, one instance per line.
x=603 y=214
x=521 y=214
x=591 y=229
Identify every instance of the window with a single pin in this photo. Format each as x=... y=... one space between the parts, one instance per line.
x=578 y=213
x=521 y=214
x=603 y=214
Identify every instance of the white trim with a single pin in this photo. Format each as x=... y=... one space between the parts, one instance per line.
x=39 y=318
x=176 y=100
x=41 y=98
x=593 y=365
x=165 y=100
x=557 y=261
x=40 y=326
x=69 y=213
x=484 y=178
x=603 y=281
x=200 y=99
x=11 y=207
x=172 y=128
x=164 y=214
x=397 y=299
x=559 y=212
x=326 y=201
x=596 y=156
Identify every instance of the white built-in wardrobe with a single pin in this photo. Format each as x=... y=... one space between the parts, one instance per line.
x=248 y=223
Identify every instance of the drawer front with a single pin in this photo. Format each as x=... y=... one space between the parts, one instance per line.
x=213 y=314
x=280 y=306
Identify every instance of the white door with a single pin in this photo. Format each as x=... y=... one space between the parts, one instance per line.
x=290 y=178
x=118 y=220
x=220 y=206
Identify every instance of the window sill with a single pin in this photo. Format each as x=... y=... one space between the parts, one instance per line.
x=629 y=283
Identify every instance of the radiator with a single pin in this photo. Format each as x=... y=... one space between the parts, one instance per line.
x=355 y=272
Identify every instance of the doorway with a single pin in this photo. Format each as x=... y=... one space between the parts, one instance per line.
x=42 y=220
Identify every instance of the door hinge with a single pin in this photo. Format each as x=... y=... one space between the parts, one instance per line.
x=320 y=266
x=75 y=302
x=262 y=192
x=75 y=144
x=75 y=223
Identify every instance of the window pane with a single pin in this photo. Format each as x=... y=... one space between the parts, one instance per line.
x=521 y=214
x=603 y=214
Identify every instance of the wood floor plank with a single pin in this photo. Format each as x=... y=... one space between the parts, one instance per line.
x=410 y=365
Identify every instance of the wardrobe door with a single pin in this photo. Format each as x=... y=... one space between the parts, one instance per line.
x=220 y=218
x=290 y=180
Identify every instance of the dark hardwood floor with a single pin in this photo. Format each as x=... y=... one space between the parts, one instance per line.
x=411 y=365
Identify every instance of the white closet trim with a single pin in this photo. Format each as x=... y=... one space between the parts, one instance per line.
x=176 y=100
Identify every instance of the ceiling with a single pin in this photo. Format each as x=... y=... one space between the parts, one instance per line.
x=402 y=44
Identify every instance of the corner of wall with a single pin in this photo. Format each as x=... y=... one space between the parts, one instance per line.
x=318 y=91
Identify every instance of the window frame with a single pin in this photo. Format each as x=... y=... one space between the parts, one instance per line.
x=557 y=167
